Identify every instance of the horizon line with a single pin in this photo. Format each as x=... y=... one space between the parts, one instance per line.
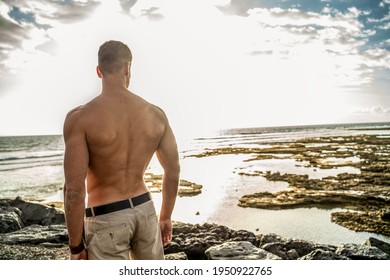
x=237 y=128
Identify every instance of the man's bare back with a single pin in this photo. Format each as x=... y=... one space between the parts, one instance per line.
x=109 y=143
x=122 y=131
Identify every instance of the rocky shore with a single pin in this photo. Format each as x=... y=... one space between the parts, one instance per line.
x=366 y=193
x=31 y=231
x=186 y=188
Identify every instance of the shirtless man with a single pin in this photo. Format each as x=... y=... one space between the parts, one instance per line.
x=109 y=143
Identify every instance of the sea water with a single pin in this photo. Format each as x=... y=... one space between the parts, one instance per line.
x=31 y=167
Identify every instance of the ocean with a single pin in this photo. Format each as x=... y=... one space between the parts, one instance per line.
x=31 y=167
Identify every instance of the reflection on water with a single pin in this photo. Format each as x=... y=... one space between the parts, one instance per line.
x=292 y=166
x=222 y=187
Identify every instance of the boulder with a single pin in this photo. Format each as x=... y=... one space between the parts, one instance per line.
x=176 y=256
x=194 y=240
x=383 y=246
x=10 y=219
x=36 y=234
x=386 y=215
x=361 y=252
x=238 y=250
x=35 y=213
x=320 y=254
x=269 y=238
x=289 y=248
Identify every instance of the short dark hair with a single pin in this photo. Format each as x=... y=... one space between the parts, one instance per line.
x=112 y=56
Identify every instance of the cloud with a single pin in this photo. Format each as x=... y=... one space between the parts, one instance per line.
x=385 y=26
x=71 y=11
x=12 y=36
x=152 y=13
x=376 y=20
x=24 y=27
x=126 y=5
x=41 y=12
x=331 y=38
x=377 y=58
x=25 y=17
x=374 y=110
x=384 y=3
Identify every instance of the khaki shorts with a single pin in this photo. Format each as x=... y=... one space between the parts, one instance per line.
x=132 y=233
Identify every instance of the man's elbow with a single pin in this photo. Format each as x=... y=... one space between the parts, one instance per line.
x=73 y=194
x=173 y=173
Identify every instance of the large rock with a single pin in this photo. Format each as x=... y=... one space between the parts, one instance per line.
x=386 y=215
x=319 y=254
x=238 y=250
x=194 y=240
x=361 y=252
x=383 y=246
x=289 y=248
x=36 y=234
x=35 y=213
x=176 y=256
x=10 y=219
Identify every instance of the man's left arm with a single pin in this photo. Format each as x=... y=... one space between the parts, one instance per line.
x=75 y=168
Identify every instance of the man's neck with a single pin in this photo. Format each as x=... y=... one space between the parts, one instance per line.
x=113 y=85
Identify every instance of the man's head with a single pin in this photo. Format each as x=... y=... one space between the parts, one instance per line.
x=113 y=56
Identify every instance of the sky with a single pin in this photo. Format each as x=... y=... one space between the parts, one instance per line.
x=209 y=64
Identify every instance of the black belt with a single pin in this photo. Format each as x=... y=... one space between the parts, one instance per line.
x=116 y=206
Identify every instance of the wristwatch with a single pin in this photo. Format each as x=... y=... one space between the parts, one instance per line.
x=77 y=249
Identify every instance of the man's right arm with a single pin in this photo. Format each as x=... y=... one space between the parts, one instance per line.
x=168 y=156
x=75 y=168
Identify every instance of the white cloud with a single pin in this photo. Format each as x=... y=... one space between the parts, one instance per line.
x=331 y=39
x=374 y=110
x=384 y=2
x=385 y=26
x=383 y=19
x=377 y=58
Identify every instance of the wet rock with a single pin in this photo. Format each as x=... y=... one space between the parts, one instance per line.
x=269 y=238
x=176 y=256
x=361 y=252
x=369 y=221
x=383 y=246
x=386 y=215
x=289 y=248
x=35 y=213
x=238 y=250
x=292 y=254
x=277 y=249
x=10 y=219
x=320 y=254
x=194 y=240
x=186 y=188
x=36 y=234
x=304 y=198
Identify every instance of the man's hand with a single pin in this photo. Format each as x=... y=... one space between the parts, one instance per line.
x=80 y=256
x=166 y=231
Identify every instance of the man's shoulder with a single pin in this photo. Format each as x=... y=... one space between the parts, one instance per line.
x=154 y=109
x=77 y=118
x=158 y=111
x=82 y=111
x=75 y=113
